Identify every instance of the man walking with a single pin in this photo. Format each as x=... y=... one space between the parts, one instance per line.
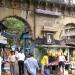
x=31 y=64
x=21 y=57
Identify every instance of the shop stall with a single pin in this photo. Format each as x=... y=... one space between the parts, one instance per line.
x=53 y=52
x=72 y=58
x=54 y=49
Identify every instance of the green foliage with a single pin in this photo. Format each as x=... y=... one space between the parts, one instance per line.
x=14 y=26
x=42 y=50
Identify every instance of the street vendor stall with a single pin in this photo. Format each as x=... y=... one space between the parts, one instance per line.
x=54 y=49
x=72 y=58
x=53 y=52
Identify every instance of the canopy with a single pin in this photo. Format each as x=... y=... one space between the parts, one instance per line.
x=55 y=46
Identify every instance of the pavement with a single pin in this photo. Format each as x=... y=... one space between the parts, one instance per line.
x=7 y=68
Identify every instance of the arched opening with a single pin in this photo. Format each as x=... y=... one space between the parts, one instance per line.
x=16 y=26
x=26 y=24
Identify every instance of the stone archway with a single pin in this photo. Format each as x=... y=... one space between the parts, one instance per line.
x=25 y=27
x=21 y=19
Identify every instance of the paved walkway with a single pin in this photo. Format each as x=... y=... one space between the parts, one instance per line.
x=7 y=67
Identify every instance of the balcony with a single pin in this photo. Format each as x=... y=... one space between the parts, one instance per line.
x=70 y=42
x=56 y=1
x=69 y=34
x=69 y=3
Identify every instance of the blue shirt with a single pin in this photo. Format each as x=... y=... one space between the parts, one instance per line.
x=32 y=65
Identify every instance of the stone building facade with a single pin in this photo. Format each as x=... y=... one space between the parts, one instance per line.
x=52 y=16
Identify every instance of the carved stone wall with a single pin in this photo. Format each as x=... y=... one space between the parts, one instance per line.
x=40 y=20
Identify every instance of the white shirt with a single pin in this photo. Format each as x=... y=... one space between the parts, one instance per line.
x=61 y=58
x=20 y=56
x=12 y=58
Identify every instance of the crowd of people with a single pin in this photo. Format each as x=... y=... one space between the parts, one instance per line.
x=31 y=64
x=48 y=62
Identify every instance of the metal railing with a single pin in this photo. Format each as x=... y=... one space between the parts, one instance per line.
x=56 y=1
x=18 y=3
x=70 y=41
x=68 y=2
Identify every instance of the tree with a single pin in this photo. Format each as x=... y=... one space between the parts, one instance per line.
x=14 y=26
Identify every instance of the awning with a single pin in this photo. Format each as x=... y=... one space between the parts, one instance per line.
x=47 y=12
x=49 y=29
x=54 y=46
